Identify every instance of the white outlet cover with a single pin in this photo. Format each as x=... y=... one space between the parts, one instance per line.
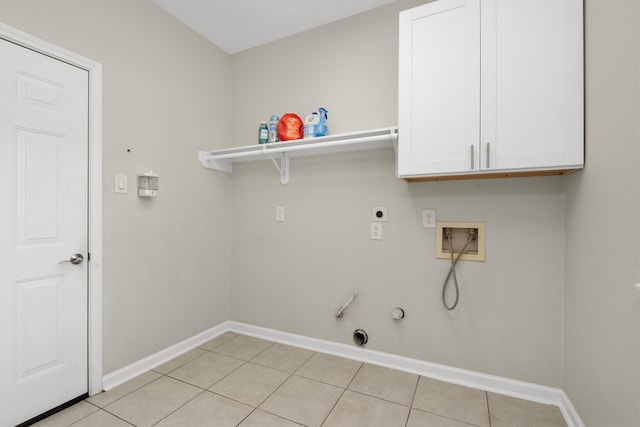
x=376 y=231
x=429 y=218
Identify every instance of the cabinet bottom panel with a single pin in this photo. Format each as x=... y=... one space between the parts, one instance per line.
x=489 y=175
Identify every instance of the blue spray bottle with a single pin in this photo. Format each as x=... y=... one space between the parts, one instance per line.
x=321 y=128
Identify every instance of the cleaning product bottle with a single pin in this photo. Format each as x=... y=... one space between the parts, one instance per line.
x=273 y=128
x=310 y=124
x=263 y=133
x=321 y=127
x=290 y=127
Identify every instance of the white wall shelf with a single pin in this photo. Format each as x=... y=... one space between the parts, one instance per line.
x=223 y=160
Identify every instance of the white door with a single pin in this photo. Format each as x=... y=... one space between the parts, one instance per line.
x=43 y=221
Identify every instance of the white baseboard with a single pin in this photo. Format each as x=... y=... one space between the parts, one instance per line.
x=492 y=383
x=571 y=416
x=122 y=375
x=514 y=388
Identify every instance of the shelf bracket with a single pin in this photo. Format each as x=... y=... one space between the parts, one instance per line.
x=283 y=169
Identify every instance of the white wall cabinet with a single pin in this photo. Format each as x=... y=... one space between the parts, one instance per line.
x=490 y=88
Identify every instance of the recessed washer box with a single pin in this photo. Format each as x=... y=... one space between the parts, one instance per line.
x=459 y=235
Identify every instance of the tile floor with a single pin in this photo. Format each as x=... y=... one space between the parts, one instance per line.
x=237 y=380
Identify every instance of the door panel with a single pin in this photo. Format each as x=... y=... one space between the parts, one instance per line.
x=439 y=88
x=40 y=315
x=43 y=221
x=39 y=207
x=532 y=103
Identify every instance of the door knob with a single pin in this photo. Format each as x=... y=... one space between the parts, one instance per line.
x=75 y=259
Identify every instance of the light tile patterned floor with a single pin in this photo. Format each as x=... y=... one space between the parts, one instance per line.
x=237 y=380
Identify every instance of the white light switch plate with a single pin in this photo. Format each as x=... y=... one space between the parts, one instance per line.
x=280 y=214
x=120 y=184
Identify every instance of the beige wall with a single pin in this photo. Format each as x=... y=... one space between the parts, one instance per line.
x=165 y=94
x=602 y=365
x=292 y=276
x=316 y=69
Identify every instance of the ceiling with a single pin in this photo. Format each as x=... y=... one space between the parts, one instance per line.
x=237 y=25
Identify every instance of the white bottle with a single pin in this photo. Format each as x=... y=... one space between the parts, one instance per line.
x=273 y=128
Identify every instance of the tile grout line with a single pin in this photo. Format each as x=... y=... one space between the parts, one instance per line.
x=248 y=415
x=185 y=363
x=178 y=408
x=197 y=357
x=289 y=376
x=104 y=408
x=149 y=383
x=202 y=390
x=105 y=411
x=120 y=418
x=379 y=398
x=410 y=406
x=413 y=398
x=78 y=420
x=294 y=374
x=324 y=420
x=449 y=417
x=355 y=375
x=344 y=390
x=486 y=393
x=257 y=407
x=245 y=362
x=313 y=353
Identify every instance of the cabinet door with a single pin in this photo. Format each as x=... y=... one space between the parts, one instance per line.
x=532 y=84
x=439 y=88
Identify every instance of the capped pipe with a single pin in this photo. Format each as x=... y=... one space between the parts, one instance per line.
x=397 y=313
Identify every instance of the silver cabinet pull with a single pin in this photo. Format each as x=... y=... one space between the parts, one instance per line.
x=75 y=259
x=472 y=159
x=488 y=155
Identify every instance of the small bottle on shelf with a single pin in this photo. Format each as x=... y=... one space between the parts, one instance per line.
x=263 y=133
x=273 y=128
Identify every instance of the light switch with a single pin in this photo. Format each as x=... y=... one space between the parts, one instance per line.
x=120 y=184
x=280 y=214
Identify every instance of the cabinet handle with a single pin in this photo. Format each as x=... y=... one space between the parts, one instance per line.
x=488 y=155
x=472 y=159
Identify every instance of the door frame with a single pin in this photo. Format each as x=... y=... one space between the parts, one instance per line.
x=94 y=244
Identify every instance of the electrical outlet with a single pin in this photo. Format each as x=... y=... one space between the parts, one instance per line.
x=429 y=218
x=379 y=214
x=376 y=231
